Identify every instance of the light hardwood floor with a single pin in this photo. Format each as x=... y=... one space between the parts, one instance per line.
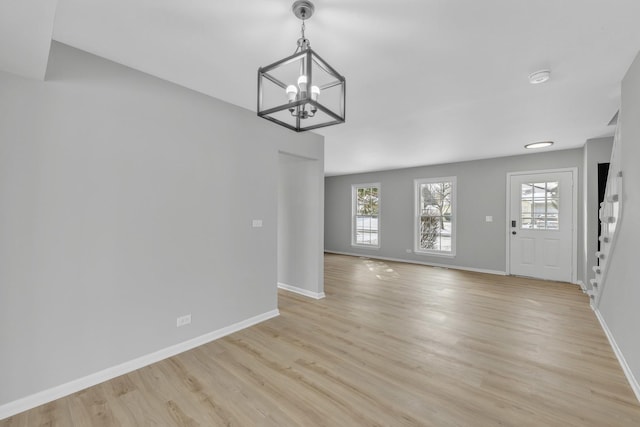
x=392 y=344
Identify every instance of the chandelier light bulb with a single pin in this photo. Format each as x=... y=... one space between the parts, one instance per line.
x=315 y=91
x=302 y=84
x=292 y=92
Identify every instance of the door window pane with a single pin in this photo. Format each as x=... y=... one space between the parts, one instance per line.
x=539 y=205
x=539 y=190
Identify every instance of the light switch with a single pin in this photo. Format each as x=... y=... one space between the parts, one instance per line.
x=256 y=223
x=489 y=218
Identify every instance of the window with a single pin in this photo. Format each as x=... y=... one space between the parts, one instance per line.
x=365 y=228
x=540 y=203
x=435 y=226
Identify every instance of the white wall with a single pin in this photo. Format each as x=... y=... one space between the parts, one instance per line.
x=620 y=298
x=126 y=201
x=25 y=36
x=299 y=236
x=481 y=192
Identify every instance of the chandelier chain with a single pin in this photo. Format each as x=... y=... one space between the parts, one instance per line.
x=302 y=38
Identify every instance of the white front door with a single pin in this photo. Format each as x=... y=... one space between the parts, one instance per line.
x=541 y=225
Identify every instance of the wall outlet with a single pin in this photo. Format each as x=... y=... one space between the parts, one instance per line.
x=256 y=223
x=183 y=320
x=408 y=251
x=488 y=218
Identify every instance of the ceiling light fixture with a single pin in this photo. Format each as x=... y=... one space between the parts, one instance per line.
x=302 y=91
x=542 y=144
x=539 y=77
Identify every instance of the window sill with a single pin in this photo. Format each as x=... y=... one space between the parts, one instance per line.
x=436 y=254
x=372 y=247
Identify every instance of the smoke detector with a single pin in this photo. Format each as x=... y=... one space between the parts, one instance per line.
x=539 y=77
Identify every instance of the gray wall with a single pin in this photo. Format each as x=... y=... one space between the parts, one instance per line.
x=126 y=201
x=595 y=151
x=300 y=228
x=621 y=293
x=481 y=192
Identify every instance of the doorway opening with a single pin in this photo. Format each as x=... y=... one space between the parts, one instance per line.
x=603 y=173
x=300 y=228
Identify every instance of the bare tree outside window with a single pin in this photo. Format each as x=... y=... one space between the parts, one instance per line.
x=435 y=216
x=366 y=215
x=368 y=201
x=429 y=231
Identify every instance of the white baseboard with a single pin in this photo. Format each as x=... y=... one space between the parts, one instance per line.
x=582 y=286
x=46 y=396
x=305 y=292
x=633 y=382
x=430 y=264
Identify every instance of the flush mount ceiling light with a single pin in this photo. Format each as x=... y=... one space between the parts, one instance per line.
x=302 y=91
x=539 y=144
x=539 y=77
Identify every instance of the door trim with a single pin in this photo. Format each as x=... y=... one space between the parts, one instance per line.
x=574 y=231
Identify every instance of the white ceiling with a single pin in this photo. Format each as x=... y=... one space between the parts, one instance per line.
x=25 y=36
x=428 y=81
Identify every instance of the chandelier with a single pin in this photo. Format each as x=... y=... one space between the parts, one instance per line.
x=302 y=91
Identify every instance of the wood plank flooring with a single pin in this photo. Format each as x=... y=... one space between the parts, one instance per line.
x=392 y=345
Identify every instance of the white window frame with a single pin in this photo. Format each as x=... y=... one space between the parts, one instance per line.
x=354 y=201
x=416 y=213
